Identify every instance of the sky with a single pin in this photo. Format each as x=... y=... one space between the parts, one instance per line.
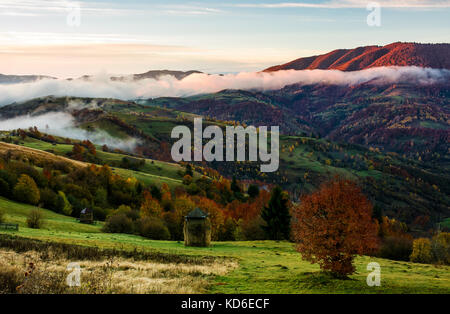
x=74 y=38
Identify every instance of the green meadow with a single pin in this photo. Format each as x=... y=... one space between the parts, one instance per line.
x=264 y=266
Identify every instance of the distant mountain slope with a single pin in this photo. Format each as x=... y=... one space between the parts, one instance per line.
x=248 y=107
x=399 y=118
x=12 y=79
x=152 y=74
x=396 y=54
x=156 y=74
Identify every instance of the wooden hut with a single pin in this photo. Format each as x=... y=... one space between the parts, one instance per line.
x=197 y=229
x=87 y=216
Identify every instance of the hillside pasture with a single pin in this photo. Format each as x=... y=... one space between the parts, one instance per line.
x=249 y=266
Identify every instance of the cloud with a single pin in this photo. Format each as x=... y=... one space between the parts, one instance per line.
x=195 y=84
x=62 y=124
x=345 y=4
x=61 y=7
x=189 y=10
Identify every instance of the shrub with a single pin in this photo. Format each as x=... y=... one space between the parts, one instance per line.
x=441 y=248
x=35 y=219
x=26 y=190
x=127 y=211
x=100 y=213
x=250 y=230
x=153 y=228
x=173 y=223
x=396 y=248
x=193 y=189
x=421 y=251
x=122 y=209
x=9 y=177
x=49 y=199
x=227 y=231
x=63 y=204
x=118 y=223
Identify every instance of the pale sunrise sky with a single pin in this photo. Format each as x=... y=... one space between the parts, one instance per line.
x=124 y=37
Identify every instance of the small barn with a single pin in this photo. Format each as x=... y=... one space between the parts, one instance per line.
x=197 y=229
x=87 y=216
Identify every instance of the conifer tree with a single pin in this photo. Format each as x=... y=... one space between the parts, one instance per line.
x=276 y=215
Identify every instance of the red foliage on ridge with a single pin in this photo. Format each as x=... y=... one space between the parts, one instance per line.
x=396 y=54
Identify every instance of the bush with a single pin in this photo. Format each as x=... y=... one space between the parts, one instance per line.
x=63 y=204
x=100 y=213
x=251 y=230
x=49 y=199
x=440 y=247
x=421 y=251
x=153 y=228
x=193 y=189
x=35 y=219
x=118 y=223
x=125 y=210
x=396 y=248
x=9 y=177
x=227 y=231
x=174 y=225
x=26 y=190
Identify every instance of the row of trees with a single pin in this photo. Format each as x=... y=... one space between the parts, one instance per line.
x=126 y=202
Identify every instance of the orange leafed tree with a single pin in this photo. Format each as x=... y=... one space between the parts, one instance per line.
x=333 y=225
x=150 y=207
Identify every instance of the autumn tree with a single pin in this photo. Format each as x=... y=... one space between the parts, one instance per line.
x=276 y=215
x=421 y=251
x=174 y=218
x=166 y=197
x=215 y=214
x=77 y=152
x=26 y=190
x=333 y=225
x=150 y=207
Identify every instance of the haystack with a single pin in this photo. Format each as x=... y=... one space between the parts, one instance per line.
x=197 y=229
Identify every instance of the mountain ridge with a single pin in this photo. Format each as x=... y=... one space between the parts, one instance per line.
x=365 y=57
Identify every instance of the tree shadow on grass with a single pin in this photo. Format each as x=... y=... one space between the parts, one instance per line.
x=326 y=281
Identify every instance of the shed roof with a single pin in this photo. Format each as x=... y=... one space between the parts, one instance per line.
x=86 y=211
x=197 y=213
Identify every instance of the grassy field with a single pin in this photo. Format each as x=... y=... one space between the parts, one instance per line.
x=153 y=167
x=17 y=213
x=264 y=266
x=153 y=172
